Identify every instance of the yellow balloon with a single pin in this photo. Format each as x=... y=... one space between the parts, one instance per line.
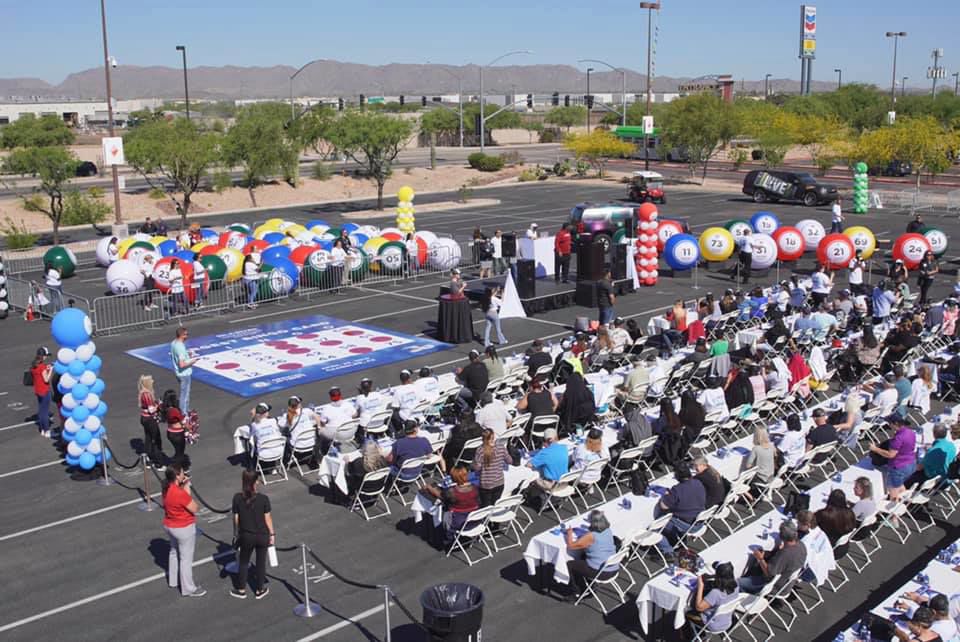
x=294 y=229
x=234 y=262
x=862 y=239
x=273 y=224
x=405 y=193
x=157 y=240
x=262 y=231
x=199 y=246
x=319 y=229
x=716 y=244
x=124 y=245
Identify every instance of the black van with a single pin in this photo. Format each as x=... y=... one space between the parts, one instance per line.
x=772 y=185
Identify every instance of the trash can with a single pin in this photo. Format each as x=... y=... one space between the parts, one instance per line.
x=453 y=612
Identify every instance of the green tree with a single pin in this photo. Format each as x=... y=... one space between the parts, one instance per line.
x=922 y=142
x=566 y=117
x=259 y=144
x=30 y=131
x=54 y=166
x=312 y=128
x=532 y=127
x=699 y=125
x=597 y=147
x=175 y=153
x=372 y=140
x=442 y=122
x=859 y=106
x=82 y=209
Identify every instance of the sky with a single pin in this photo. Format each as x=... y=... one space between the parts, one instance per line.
x=49 y=39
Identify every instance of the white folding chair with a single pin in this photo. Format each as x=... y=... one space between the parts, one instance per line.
x=893 y=512
x=593 y=469
x=345 y=435
x=468 y=451
x=539 y=425
x=753 y=607
x=473 y=529
x=564 y=491
x=647 y=539
x=270 y=451
x=866 y=531
x=504 y=516
x=843 y=541
x=699 y=528
x=371 y=492
x=920 y=499
x=613 y=581
x=409 y=474
x=726 y=609
x=625 y=464
x=302 y=445
x=376 y=425
x=781 y=595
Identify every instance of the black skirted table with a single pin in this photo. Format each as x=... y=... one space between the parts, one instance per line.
x=454 y=320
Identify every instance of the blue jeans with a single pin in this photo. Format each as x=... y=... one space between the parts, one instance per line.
x=752 y=583
x=252 y=292
x=674 y=529
x=493 y=320
x=606 y=315
x=184 y=393
x=43 y=411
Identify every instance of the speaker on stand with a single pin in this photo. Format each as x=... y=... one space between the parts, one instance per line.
x=589 y=259
x=508 y=245
x=618 y=265
x=527 y=278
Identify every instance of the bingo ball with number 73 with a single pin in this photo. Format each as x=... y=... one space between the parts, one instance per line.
x=910 y=249
x=764 y=251
x=790 y=243
x=835 y=251
x=716 y=244
x=681 y=251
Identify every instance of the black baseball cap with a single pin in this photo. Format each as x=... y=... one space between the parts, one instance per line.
x=819 y=412
x=262 y=408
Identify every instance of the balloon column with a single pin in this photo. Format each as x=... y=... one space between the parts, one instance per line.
x=405 y=219
x=647 y=245
x=4 y=304
x=82 y=389
x=860 y=188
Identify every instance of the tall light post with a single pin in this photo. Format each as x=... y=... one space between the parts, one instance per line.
x=896 y=35
x=117 y=219
x=650 y=7
x=839 y=73
x=293 y=112
x=483 y=99
x=623 y=85
x=956 y=83
x=186 y=88
x=766 y=86
x=587 y=98
x=459 y=99
x=903 y=85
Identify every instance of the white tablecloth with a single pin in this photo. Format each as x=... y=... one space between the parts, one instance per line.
x=748 y=337
x=540 y=250
x=659 y=323
x=513 y=477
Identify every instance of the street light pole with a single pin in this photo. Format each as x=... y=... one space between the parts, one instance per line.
x=117 y=219
x=649 y=6
x=293 y=112
x=186 y=88
x=839 y=73
x=623 y=85
x=956 y=83
x=766 y=86
x=483 y=100
x=587 y=98
x=896 y=35
x=903 y=85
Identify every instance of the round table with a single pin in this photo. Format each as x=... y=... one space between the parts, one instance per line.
x=454 y=320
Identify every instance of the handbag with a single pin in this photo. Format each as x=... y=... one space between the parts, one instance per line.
x=27 y=378
x=796 y=502
x=638 y=483
x=879 y=460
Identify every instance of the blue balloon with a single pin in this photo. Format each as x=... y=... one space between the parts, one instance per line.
x=168 y=247
x=94 y=364
x=207 y=233
x=349 y=227
x=764 y=222
x=87 y=461
x=83 y=437
x=681 y=251
x=315 y=222
x=71 y=327
x=62 y=390
x=100 y=410
x=358 y=239
x=80 y=392
x=68 y=437
x=275 y=253
x=72 y=461
x=105 y=453
x=289 y=268
x=97 y=386
x=76 y=368
x=274 y=237
x=59 y=368
x=101 y=431
x=323 y=243
x=80 y=414
x=185 y=255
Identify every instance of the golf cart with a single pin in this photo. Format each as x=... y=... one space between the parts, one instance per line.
x=647 y=186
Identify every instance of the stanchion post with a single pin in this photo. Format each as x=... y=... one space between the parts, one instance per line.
x=696 y=275
x=105 y=480
x=147 y=504
x=778 y=270
x=386 y=612
x=308 y=608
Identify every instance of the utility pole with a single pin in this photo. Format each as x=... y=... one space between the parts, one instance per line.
x=896 y=35
x=117 y=219
x=839 y=78
x=937 y=71
x=766 y=86
x=649 y=6
x=956 y=83
x=903 y=85
x=587 y=99
x=186 y=88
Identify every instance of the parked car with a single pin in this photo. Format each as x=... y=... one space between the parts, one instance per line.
x=86 y=169
x=646 y=186
x=893 y=168
x=610 y=222
x=773 y=186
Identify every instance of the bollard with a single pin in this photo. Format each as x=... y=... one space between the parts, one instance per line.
x=308 y=608
x=696 y=273
x=105 y=480
x=386 y=612
x=147 y=504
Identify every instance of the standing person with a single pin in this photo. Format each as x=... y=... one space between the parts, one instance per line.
x=253 y=525
x=251 y=277
x=338 y=264
x=499 y=264
x=836 y=218
x=475 y=245
x=344 y=239
x=412 y=250
x=149 y=411
x=821 y=284
x=491 y=312
x=532 y=232
x=182 y=366
x=178 y=294
x=605 y=297
x=41 y=371
x=179 y=510
x=146 y=265
x=457 y=285
x=914 y=226
x=928 y=268
x=744 y=256
x=490 y=460
x=562 y=247
x=855 y=272
x=901 y=458
x=197 y=282
x=175 y=435
x=54 y=287
x=486 y=256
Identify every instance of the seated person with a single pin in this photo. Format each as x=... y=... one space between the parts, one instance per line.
x=464 y=431
x=793 y=443
x=591 y=450
x=789 y=556
x=552 y=461
x=919 y=627
x=865 y=506
x=460 y=499
x=619 y=336
x=684 y=502
x=493 y=414
x=404 y=402
x=370 y=459
x=819 y=548
x=713 y=482
x=597 y=545
x=576 y=406
x=713 y=399
x=836 y=519
x=822 y=433
x=261 y=428
x=634 y=386
x=942 y=608
x=297 y=420
x=537 y=358
x=332 y=417
x=410 y=446
x=937 y=461
x=700 y=352
x=712 y=593
x=538 y=401
x=368 y=402
x=474 y=379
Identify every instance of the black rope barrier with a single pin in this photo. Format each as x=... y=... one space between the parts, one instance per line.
x=193 y=491
x=115 y=459
x=406 y=611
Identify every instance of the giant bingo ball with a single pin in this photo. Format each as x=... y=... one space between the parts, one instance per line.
x=372 y=248
x=299 y=255
x=168 y=247
x=443 y=254
x=812 y=232
x=208 y=234
x=862 y=239
x=790 y=242
x=104 y=258
x=764 y=251
x=273 y=238
x=161 y=273
x=232 y=238
x=716 y=244
x=910 y=248
x=124 y=244
x=427 y=236
x=316 y=222
x=215 y=267
x=391 y=256
x=645 y=210
x=681 y=251
x=257 y=245
x=71 y=328
x=124 y=277
x=764 y=222
x=835 y=251
x=373 y=230
x=739 y=228
x=272 y=254
x=243 y=228
x=314 y=268
x=262 y=230
x=209 y=250
x=61 y=258
x=281 y=279
x=937 y=239
x=157 y=240
x=358 y=263
x=666 y=229
x=357 y=239
x=233 y=259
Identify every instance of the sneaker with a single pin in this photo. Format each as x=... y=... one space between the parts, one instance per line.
x=240 y=595
x=198 y=592
x=45 y=433
x=262 y=593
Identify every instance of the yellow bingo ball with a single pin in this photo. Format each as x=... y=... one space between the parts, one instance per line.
x=233 y=259
x=862 y=239
x=716 y=244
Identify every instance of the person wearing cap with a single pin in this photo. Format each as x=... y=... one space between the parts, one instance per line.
x=883 y=299
x=493 y=414
x=456 y=285
x=552 y=461
x=263 y=429
x=537 y=358
x=427 y=385
x=367 y=403
x=899 y=277
x=474 y=379
x=297 y=420
x=928 y=269
x=855 y=272
x=404 y=401
x=334 y=415
x=843 y=303
x=562 y=248
x=901 y=457
x=822 y=433
x=532 y=231
x=41 y=373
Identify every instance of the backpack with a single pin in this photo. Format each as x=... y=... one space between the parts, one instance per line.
x=28 y=378
x=638 y=483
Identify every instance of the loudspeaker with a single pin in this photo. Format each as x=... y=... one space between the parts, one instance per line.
x=586 y=294
x=618 y=262
x=526 y=278
x=589 y=259
x=508 y=245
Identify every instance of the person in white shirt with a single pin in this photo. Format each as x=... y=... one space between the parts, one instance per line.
x=855 y=272
x=404 y=402
x=146 y=265
x=793 y=445
x=836 y=218
x=590 y=451
x=821 y=286
x=887 y=398
x=54 y=287
x=745 y=257
x=427 y=385
x=197 y=282
x=713 y=400
x=297 y=420
x=413 y=250
x=783 y=296
x=491 y=310
x=265 y=436
x=499 y=265
x=368 y=402
x=177 y=292
x=619 y=336
x=338 y=265
x=493 y=414
x=113 y=249
x=532 y=231
x=333 y=415
x=251 y=277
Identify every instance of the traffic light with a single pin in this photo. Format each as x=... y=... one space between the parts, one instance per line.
x=566 y=100
x=529 y=101
x=363 y=102
x=423 y=101
x=589 y=98
x=401 y=100
x=555 y=101
x=476 y=123
x=339 y=104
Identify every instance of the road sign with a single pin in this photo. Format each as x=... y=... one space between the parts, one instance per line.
x=113 y=151
x=648 y=125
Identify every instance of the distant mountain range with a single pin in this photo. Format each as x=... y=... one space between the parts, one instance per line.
x=334 y=78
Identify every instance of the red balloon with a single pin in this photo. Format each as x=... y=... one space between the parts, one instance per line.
x=835 y=251
x=421 y=251
x=910 y=248
x=665 y=229
x=646 y=211
x=392 y=236
x=790 y=243
x=210 y=249
x=299 y=254
x=259 y=245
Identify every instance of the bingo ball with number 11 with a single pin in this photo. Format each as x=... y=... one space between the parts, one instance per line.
x=681 y=251
x=764 y=251
x=835 y=251
x=716 y=244
x=910 y=249
x=790 y=243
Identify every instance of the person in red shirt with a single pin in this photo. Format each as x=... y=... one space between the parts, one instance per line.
x=562 y=247
x=149 y=413
x=179 y=510
x=174 y=417
x=41 y=371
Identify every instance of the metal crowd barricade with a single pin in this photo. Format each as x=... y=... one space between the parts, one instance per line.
x=22 y=292
x=953 y=200
x=30 y=259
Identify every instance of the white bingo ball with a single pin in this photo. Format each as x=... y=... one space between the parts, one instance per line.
x=124 y=277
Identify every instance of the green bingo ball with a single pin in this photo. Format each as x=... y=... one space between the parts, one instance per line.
x=61 y=258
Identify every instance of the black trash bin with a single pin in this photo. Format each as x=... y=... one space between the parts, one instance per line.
x=453 y=612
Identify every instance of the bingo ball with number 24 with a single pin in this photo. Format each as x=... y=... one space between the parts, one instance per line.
x=910 y=249
x=813 y=233
x=764 y=251
x=790 y=243
x=835 y=251
x=716 y=244
x=681 y=252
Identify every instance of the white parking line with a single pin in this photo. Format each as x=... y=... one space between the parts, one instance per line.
x=342 y=625
x=67 y=520
x=20 y=425
x=28 y=469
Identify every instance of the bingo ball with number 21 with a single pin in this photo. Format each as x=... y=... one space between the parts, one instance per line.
x=764 y=251
x=716 y=244
x=790 y=243
x=681 y=252
x=835 y=251
x=910 y=249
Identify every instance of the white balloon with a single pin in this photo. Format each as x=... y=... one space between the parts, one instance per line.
x=88 y=377
x=654 y=274
x=92 y=423
x=66 y=355
x=67 y=380
x=71 y=425
x=74 y=449
x=68 y=401
x=86 y=351
x=94 y=447
x=644 y=274
x=91 y=401
x=4 y=306
x=444 y=254
x=104 y=257
x=124 y=277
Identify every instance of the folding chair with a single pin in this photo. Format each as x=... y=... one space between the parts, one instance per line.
x=584 y=488
x=504 y=515
x=409 y=474
x=302 y=445
x=647 y=539
x=346 y=434
x=774 y=485
x=890 y=513
x=920 y=499
x=844 y=541
x=520 y=491
x=781 y=595
x=564 y=491
x=539 y=425
x=866 y=530
x=468 y=451
x=728 y=608
x=275 y=446
x=612 y=581
x=473 y=529
x=699 y=528
x=372 y=488
x=625 y=464
x=376 y=426
x=753 y=607
x=645 y=446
